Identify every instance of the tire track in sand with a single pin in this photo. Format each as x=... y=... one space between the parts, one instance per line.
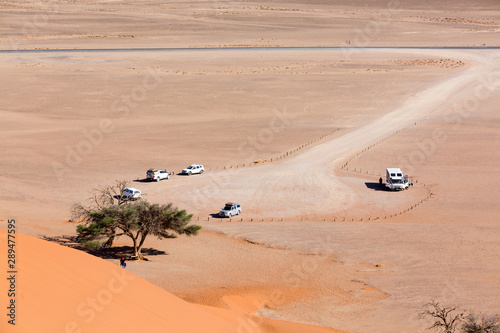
x=306 y=182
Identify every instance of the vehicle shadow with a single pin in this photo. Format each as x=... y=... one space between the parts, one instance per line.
x=145 y=180
x=216 y=216
x=377 y=186
x=187 y=174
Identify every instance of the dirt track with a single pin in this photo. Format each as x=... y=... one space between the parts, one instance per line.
x=307 y=184
x=230 y=107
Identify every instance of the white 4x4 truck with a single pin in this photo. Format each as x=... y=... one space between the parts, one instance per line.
x=230 y=209
x=154 y=174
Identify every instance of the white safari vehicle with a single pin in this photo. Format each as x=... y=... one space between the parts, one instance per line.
x=132 y=193
x=155 y=174
x=230 y=209
x=395 y=180
x=193 y=168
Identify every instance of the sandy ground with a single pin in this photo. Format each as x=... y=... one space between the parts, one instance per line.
x=232 y=129
x=317 y=240
x=102 y=297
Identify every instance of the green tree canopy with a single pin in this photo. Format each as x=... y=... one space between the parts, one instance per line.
x=137 y=220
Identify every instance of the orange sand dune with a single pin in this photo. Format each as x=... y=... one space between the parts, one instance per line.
x=59 y=289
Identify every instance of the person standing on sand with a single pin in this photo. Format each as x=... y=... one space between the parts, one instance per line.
x=122 y=262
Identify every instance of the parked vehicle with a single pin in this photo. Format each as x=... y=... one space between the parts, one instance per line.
x=132 y=193
x=230 y=209
x=154 y=174
x=395 y=180
x=193 y=168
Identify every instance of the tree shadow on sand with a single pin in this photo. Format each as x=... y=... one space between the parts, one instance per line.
x=115 y=252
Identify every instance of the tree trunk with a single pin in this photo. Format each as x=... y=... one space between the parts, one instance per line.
x=139 y=246
x=111 y=238
x=137 y=252
x=137 y=249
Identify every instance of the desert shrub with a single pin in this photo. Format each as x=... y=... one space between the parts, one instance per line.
x=453 y=320
x=481 y=324
x=446 y=319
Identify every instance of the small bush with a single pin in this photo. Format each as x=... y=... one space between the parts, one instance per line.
x=446 y=319
x=481 y=324
x=453 y=320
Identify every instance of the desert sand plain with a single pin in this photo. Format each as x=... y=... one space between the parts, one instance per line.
x=325 y=94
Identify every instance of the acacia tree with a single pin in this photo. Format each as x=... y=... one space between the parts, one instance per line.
x=446 y=319
x=137 y=220
x=101 y=197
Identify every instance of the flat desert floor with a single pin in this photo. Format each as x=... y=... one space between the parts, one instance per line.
x=295 y=109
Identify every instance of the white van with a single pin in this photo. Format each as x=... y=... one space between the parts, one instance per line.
x=395 y=179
